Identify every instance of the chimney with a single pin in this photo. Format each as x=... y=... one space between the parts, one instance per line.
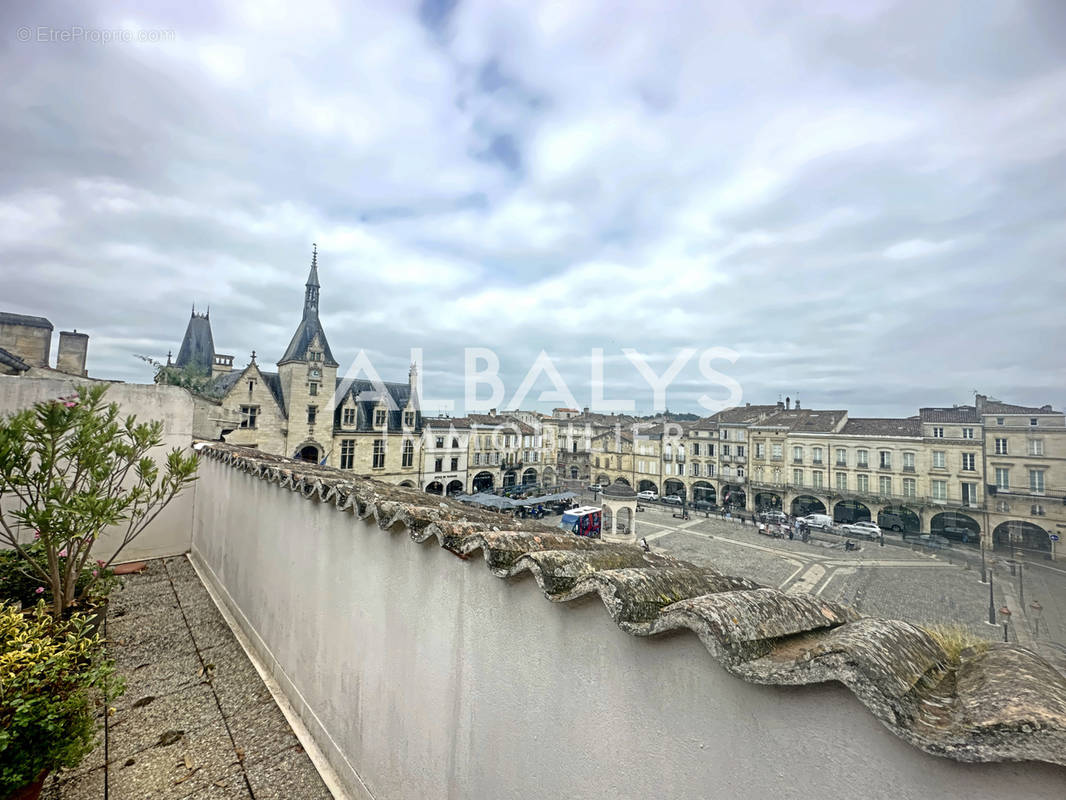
x=780 y=405
x=797 y=404
x=73 y=347
x=586 y=411
x=980 y=402
x=788 y=403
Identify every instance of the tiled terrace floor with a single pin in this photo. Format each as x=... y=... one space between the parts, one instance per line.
x=196 y=720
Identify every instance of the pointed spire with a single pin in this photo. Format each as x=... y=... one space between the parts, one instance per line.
x=253 y=356
x=312 y=277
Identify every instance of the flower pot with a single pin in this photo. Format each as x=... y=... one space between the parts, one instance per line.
x=31 y=791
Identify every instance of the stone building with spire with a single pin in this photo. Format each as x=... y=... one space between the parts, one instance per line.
x=305 y=409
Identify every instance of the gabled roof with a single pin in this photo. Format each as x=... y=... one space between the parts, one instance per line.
x=953 y=414
x=742 y=415
x=221 y=385
x=7 y=318
x=995 y=407
x=883 y=426
x=363 y=393
x=9 y=359
x=806 y=420
x=198 y=346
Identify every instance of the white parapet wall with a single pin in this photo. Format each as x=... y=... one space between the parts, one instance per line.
x=171 y=532
x=420 y=674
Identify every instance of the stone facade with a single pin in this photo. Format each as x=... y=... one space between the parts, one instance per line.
x=305 y=410
x=27 y=338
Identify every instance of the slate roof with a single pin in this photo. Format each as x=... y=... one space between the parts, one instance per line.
x=806 y=420
x=740 y=415
x=995 y=407
x=8 y=318
x=198 y=346
x=309 y=326
x=220 y=385
x=444 y=423
x=999 y=702
x=953 y=414
x=351 y=389
x=9 y=359
x=883 y=426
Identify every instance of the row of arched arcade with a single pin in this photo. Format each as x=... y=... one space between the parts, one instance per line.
x=485 y=481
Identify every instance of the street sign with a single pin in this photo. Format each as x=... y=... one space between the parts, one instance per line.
x=1054 y=537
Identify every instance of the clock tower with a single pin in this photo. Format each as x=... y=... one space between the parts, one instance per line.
x=308 y=377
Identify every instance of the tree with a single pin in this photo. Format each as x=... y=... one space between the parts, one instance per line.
x=190 y=377
x=69 y=468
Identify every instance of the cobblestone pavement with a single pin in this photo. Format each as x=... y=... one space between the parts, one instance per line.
x=196 y=721
x=894 y=582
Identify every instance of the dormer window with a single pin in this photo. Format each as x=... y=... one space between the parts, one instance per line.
x=408 y=419
x=348 y=418
x=379 y=416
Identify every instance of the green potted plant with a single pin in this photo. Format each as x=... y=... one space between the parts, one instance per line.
x=70 y=468
x=53 y=675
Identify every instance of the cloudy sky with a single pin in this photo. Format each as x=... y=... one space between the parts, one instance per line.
x=863 y=200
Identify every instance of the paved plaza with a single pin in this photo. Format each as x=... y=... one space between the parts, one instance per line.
x=896 y=581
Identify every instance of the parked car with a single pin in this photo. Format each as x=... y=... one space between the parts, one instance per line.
x=822 y=521
x=595 y=487
x=775 y=517
x=867 y=529
x=964 y=535
x=704 y=505
x=647 y=495
x=673 y=499
x=894 y=522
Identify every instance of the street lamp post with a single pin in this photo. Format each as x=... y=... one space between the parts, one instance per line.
x=1005 y=614
x=984 y=575
x=1021 y=583
x=991 y=602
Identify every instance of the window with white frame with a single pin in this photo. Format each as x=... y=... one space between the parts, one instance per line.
x=842 y=481
x=863 y=458
x=1036 y=481
x=816 y=455
x=967 y=433
x=1002 y=506
x=1037 y=510
x=938 y=433
x=969 y=461
x=1032 y=421
x=797 y=454
x=348 y=417
x=863 y=483
x=775 y=452
x=797 y=477
x=910 y=487
x=816 y=479
x=940 y=490
x=1002 y=478
x=939 y=460
x=1001 y=447
x=908 y=462
x=885 y=485
x=842 y=457
x=1036 y=447
x=760 y=450
x=886 y=459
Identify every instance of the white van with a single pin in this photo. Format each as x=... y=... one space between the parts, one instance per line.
x=821 y=521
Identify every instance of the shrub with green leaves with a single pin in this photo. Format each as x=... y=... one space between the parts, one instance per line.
x=52 y=674
x=69 y=469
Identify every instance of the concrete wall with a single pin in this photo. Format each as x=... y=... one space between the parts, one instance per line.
x=421 y=675
x=171 y=532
